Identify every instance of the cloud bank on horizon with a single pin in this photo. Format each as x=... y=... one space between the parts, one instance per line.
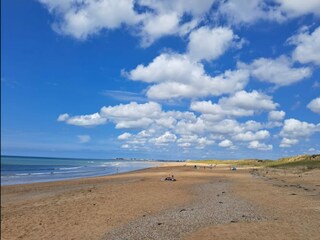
x=222 y=89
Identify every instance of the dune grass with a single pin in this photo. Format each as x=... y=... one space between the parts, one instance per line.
x=308 y=161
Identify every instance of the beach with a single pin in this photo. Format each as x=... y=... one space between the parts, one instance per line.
x=204 y=203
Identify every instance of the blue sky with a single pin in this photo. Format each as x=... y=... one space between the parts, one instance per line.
x=160 y=79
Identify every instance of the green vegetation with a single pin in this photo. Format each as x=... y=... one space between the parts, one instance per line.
x=308 y=161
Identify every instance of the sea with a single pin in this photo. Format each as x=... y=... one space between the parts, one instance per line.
x=22 y=170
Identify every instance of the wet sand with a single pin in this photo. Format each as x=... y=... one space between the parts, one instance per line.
x=202 y=204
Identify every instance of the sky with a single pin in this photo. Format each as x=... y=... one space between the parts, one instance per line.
x=151 y=79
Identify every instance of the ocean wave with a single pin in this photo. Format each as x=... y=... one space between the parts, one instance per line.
x=69 y=168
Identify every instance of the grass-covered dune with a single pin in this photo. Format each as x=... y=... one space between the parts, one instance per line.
x=309 y=161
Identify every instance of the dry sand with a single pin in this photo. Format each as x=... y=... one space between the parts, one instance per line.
x=202 y=204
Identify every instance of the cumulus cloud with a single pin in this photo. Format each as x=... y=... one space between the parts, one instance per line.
x=240 y=12
x=158 y=26
x=240 y=104
x=187 y=141
x=251 y=136
x=124 y=136
x=248 y=11
x=176 y=76
x=279 y=71
x=314 y=105
x=287 y=142
x=225 y=143
x=209 y=44
x=294 y=129
x=294 y=8
x=81 y=19
x=132 y=115
x=167 y=18
x=84 y=138
x=276 y=115
x=132 y=110
x=307 y=46
x=164 y=139
x=260 y=146
x=83 y=120
x=152 y=19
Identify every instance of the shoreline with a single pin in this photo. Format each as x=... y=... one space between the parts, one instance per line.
x=149 y=164
x=139 y=204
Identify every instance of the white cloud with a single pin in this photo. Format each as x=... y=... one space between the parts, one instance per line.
x=251 y=136
x=166 y=122
x=179 y=6
x=314 y=105
x=279 y=71
x=249 y=11
x=125 y=146
x=168 y=67
x=240 y=104
x=294 y=129
x=176 y=76
x=124 y=136
x=187 y=127
x=276 y=115
x=287 y=142
x=252 y=125
x=81 y=19
x=249 y=100
x=224 y=127
x=156 y=26
x=63 y=117
x=294 y=8
x=132 y=110
x=209 y=44
x=83 y=120
x=155 y=19
x=260 y=146
x=138 y=123
x=187 y=141
x=132 y=115
x=307 y=46
x=164 y=139
x=84 y=138
x=225 y=143
x=166 y=18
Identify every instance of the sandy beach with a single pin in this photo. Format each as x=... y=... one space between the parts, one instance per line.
x=202 y=204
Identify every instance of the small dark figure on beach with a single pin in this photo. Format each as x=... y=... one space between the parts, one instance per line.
x=170 y=178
